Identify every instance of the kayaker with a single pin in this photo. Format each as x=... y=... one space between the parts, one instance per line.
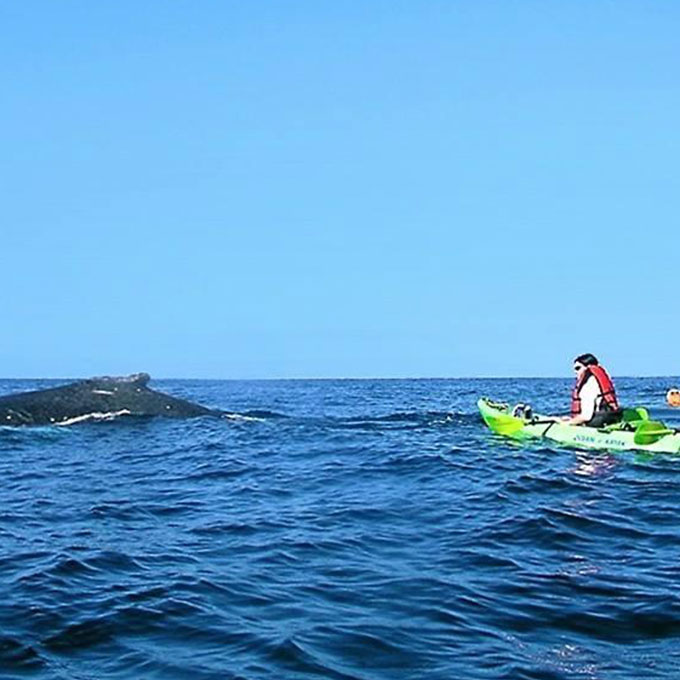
x=673 y=398
x=593 y=400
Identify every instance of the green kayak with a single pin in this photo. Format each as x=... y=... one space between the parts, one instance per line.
x=634 y=433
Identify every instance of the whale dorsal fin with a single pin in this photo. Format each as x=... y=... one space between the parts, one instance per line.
x=138 y=379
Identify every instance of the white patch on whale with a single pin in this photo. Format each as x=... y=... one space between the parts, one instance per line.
x=96 y=416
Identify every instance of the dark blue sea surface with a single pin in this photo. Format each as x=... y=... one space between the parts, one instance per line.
x=342 y=530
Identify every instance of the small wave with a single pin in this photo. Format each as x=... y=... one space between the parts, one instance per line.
x=242 y=418
x=226 y=528
x=15 y=436
x=293 y=655
x=419 y=416
x=71 y=566
x=530 y=483
x=206 y=473
x=18 y=656
x=82 y=635
x=529 y=530
x=409 y=420
x=119 y=510
x=254 y=416
x=264 y=415
x=610 y=621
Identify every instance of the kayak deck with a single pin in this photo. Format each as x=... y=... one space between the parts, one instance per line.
x=620 y=437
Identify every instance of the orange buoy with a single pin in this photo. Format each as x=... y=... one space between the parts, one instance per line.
x=673 y=397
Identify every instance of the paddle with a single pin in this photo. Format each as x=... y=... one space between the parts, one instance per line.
x=650 y=431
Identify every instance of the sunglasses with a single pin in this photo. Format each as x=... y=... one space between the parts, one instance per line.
x=578 y=368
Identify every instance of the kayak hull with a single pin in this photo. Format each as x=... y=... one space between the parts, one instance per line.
x=500 y=420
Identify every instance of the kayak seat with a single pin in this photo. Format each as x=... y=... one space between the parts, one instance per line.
x=631 y=419
x=634 y=415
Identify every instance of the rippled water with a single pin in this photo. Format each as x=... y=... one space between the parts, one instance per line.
x=337 y=529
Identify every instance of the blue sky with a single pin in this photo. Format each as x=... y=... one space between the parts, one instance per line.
x=311 y=188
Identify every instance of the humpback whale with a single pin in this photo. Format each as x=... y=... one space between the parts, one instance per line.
x=95 y=399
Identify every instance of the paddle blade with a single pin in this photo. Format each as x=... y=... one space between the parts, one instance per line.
x=649 y=432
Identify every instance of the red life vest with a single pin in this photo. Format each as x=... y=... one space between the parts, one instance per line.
x=607 y=394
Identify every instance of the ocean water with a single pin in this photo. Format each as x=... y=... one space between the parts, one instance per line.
x=342 y=530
